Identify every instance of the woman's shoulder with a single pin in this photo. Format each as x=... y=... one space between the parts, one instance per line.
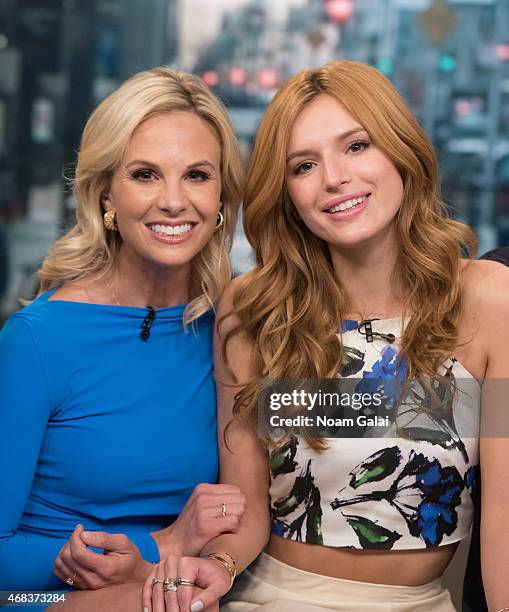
x=482 y=278
x=33 y=311
x=228 y=299
x=485 y=290
x=232 y=348
x=34 y=323
x=50 y=312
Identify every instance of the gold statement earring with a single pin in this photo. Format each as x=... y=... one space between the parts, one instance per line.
x=220 y=221
x=110 y=220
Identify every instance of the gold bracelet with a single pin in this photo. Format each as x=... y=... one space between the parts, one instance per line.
x=502 y=610
x=229 y=567
x=221 y=554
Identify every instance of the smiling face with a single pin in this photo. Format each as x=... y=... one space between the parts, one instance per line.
x=344 y=188
x=166 y=190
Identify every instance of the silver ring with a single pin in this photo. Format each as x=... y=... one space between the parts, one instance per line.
x=183 y=582
x=156 y=581
x=223 y=509
x=169 y=585
x=70 y=581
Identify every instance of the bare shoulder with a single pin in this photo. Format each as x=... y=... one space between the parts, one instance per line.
x=485 y=292
x=227 y=298
x=485 y=286
x=226 y=316
x=233 y=352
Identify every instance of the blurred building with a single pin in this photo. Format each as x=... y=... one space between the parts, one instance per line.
x=59 y=58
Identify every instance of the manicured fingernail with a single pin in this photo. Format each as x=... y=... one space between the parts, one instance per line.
x=197 y=606
x=145 y=609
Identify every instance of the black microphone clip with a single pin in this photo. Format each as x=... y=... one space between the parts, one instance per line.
x=147 y=323
x=366 y=324
x=370 y=334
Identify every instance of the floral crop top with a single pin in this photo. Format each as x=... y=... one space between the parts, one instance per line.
x=410 y=485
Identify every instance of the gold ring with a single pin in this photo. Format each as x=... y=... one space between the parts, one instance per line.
x=183 y=582
x=223 y=509
x=169 y=585
x=156 y=581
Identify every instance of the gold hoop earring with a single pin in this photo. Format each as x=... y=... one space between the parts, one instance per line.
x=220 y=221
x=110 y=220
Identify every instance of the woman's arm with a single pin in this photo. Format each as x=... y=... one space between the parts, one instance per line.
x=493 y=319
x=243 y=462
x=118 y=598
x=27 y=397
x=201 y=519
x=123 y=560
x=26 y=560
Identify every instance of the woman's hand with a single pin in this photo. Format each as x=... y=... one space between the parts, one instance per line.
x=120 y=563
x=210 y=511
x=209 y=579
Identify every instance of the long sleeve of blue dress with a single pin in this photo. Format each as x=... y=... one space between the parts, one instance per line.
x=98 y=427
x=25 y=403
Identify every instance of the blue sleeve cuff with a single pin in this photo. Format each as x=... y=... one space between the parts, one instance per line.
x=147 y=545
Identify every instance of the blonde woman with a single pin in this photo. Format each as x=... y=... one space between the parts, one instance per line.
x=107 y=399
x=360 y=273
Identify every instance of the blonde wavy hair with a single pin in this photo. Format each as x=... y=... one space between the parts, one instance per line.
x=291 y=303
x=88 y=248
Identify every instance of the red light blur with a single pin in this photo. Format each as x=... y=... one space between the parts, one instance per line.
x=340 y=10
x=462 y=108
x=237 y=76
x=210 y=77
x=502 y=52
x=267 y=78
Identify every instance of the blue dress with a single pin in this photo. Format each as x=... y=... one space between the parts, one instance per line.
x=98 y=427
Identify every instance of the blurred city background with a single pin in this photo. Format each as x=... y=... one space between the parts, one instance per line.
x=59 y=58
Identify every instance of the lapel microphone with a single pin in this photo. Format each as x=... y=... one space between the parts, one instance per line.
x=365 y=329
x=147 y=323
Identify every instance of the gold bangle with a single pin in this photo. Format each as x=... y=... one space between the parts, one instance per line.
x=231 y=558
x=231 y=569
x=222 y=554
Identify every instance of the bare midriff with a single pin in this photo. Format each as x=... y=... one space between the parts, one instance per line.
x=394 y=567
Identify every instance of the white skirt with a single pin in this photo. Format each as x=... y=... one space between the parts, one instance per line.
x=269 y=585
